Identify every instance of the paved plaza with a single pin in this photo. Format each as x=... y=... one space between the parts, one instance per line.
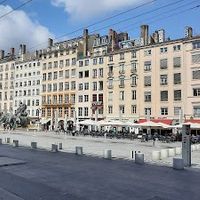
x=121 y=148
x=66 y=176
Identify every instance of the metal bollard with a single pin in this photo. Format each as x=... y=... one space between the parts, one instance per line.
x=107 y=154
x=8 y=140
x=139 y=158
x=54 y=148
x=79 y=150
x=60 y=145
x=34 y=145
x=1 y=142
x=178 y=163
x=15 y=143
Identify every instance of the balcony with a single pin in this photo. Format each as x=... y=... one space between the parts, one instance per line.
x=121 y=71
x=133 y=71
x=121 y=86
x=133 y=85
x=110 y=74
x=110 y=86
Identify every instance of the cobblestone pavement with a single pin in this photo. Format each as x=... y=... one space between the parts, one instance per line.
x=121 y=148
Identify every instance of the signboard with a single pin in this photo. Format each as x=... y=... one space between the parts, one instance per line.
x=186 y=145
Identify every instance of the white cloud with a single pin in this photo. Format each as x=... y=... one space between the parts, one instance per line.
x=86 y=9
x=17 y=28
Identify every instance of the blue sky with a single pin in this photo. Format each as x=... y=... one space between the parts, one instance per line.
x=52 y=18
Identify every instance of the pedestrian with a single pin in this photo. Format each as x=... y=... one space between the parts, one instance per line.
x=154 y=140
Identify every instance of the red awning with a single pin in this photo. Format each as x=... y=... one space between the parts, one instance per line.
x=164 y=121
x=193 y=121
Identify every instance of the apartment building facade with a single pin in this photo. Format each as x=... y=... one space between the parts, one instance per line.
x=114 y=77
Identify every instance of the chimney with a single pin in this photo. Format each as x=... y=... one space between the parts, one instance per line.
x=2 y=52
x=24 y=49
x=36 y=54
x=113 y=39
x=155 y=36
x=20 y=49
x=85 y=42
x=144 y=34
x=50 y=42
x=161 y=35
x=125 y=36
x=12 y=51
x=188 y=32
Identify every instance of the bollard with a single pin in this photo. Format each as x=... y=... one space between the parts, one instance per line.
x=15 y=143
x=79 y=150
x=107 y=154
x=132 y=153
x=156 y=155
x=8 y=140
x=34 y=145
x=1 y=141
x=164 y=153
x=178 y=163
x=139 y=158
x=171 y=152
x=54 y=148
x=178 y=150
x=60 y=145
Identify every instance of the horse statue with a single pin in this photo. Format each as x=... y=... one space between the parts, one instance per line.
x=11 y=121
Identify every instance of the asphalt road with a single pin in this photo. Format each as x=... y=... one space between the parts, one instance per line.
x=58 y=176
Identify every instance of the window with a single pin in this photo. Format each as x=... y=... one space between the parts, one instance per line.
x=163 y=64
x=80 y=63
x=177 y=78
x=133 y=54
x=55 y=64
x=101 y=72
x=133 y=67
x=134 y=96
x=147 y=66
x=94 y=73
x=95 y=61
x=177 y=47
x=177 y=111
x=121 y=56
x=121 y=82
x=86 y=62
x=196 y=92
x=122 y=109
x=177 y=95
x=110 y=109
x=86 y=98
x=73 y=85
x=87 y=74
x=67 y=63
x=101 y=97
x=94 y=86
x=147 y=96
x=196 y=59
x=61 y=86
x=73 y=72
x=86 y=86
x=49 y=76
x=163 y=80
x=94 y=97
x=121 y=95
x=196 y=111
x=100 y=85
x=80 y=98
x=121 y=68
x=100 y=60
x=196 y=74
x=133 y=80
x=80 y=111
x=110 y=83
x=147 y=52
x=163 y=50
x=85 y=111
x=61 y=74
x=55 y=75
x=177 y=62
x=147 y=111
x=66 y=85
x=110 y=58
x=196 y=45
x=73 y=61
x=147 y=81
x=133 y=109
x=164 y=111
x=80 y=86
x=164 y=95
x=80 y=75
